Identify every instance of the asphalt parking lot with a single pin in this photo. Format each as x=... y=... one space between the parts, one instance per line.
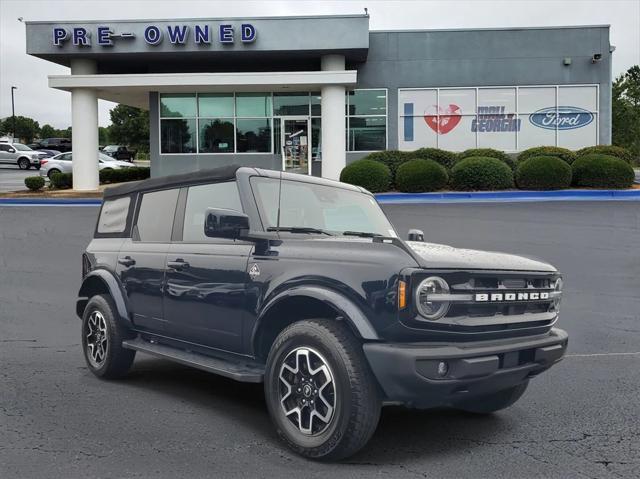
x=12 y=177
x=581 y=419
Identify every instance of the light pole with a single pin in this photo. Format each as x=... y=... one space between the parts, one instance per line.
x=13 y=112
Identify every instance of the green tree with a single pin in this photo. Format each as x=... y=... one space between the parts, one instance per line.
x=26 y=128
x=626 y=111
x=130 y=127
x=103 y=135
x=47 y=131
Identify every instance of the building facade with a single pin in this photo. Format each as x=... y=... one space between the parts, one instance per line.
x=311 y=94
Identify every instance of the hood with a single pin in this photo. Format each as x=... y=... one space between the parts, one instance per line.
x=439 y=256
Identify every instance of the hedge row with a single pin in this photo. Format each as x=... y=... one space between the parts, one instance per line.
x=61 y=181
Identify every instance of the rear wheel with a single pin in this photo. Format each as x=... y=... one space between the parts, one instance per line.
x=52 y=172
x=321 y=394
x=495 y=401
x=24 y=164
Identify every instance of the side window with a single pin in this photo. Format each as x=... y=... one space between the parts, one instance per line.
x=65 y=157
x=155 y=219
x=4 y=147
x=201 y=197
x=113 y=216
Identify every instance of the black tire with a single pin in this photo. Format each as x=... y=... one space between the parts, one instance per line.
x=116 y=360
x=51 y=172
x=495 y=401
x=38 y=167
x=24 y=164
x=356 y=398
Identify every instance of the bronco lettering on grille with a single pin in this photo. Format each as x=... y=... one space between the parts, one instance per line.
x=517 y=296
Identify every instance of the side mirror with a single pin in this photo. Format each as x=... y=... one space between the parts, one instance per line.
x=415 y=235
x=223 y=223
x=12 y=150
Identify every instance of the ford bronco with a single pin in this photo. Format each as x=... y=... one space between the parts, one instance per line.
x=303 y=284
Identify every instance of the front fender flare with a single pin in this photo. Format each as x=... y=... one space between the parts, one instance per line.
x=343 y=305
x=112 y=284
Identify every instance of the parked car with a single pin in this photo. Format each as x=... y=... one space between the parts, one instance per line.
x=60 y=144
x=48 y=153
x=119 y=152
x=13 y=153
x=302 y=283
x=62 y=164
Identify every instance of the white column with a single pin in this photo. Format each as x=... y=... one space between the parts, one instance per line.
x=84 y=123
x=333 y=127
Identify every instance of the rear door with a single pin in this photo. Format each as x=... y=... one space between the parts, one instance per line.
x=206 y=278
x=142 y=258
x=6 y=156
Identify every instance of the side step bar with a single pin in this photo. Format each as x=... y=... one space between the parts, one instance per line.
x=240 y=370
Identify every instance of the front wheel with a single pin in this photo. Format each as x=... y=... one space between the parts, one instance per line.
x=321 y=394
x=24 y=164
x=494 y=402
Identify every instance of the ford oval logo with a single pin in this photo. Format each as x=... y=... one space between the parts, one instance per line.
x=566 y=118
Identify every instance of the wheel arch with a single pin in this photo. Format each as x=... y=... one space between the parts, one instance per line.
x=102 y=282
x=307 y=302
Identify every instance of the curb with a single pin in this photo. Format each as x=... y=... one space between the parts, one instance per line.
x=50 y=201
x=509 y=196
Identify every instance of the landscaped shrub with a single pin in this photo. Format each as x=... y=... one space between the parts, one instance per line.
x=562 y=153
x=488 y=153
x=543 y=173
x=61 y=181
x=372 y=175
x=443 y=157
x=122 y=175
x=34 y=182
x=602 y=171
x=391 y=158
x=416 y=176
x=609 y=150
x=481 y=173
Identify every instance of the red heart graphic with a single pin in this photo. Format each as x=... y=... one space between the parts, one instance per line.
x=446 y=119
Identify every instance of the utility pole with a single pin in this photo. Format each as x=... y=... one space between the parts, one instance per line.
x=13 y=112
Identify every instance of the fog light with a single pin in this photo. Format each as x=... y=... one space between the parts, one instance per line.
x=443 y=368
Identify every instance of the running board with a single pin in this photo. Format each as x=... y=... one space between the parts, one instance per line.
x=241 y=370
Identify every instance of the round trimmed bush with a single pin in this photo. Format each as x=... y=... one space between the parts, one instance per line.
x=488 y=153
x=562 y=153
x=602 y=171
x=609 y=150
x=481 y=173
x=543 y=173
x=391 y=158
x=417 y=176
x=62 y=181
x=442 y=157
x=371 y=175
x=34 y=182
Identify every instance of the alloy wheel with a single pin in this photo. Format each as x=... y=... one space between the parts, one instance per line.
x=97 y=339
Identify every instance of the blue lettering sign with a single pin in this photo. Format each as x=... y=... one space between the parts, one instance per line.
x=565 y=118
x=248 y=33
x=408 y=122
x=152 y=35
x=59 y=36
x=104 y=36
x=201 y=34
x=177 y=34
x=494 y=119
x=226 y=33
x=81 y=37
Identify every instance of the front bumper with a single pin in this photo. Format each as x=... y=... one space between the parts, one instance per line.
x=408 y=372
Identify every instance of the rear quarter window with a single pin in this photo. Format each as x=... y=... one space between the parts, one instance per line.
x=113 y=216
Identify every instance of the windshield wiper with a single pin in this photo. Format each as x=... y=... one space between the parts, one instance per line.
x=362 y=234
x=299 y=229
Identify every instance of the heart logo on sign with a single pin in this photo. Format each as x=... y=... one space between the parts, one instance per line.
x=446 y=119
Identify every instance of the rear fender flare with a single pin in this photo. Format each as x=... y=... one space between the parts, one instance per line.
x=113 y=287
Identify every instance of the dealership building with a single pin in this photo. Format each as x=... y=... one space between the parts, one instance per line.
x=311 y=94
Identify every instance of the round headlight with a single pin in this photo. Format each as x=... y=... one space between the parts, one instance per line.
x=429 y=306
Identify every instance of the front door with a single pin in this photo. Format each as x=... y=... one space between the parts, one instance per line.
x=296 y=145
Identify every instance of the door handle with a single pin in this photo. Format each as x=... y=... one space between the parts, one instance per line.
x=127 y=261
x=179 y=264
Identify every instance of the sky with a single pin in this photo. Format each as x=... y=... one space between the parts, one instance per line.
x=35 y=99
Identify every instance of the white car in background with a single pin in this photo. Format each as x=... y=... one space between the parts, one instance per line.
x=14 y=153
x=62 y=163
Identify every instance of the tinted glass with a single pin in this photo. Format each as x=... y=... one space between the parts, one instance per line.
x=367 y=133
x=201 y=197
x=253 y=104
x=178 y=136
x=216 y=136
x=215 y=104
x=315 y=103
x=291 y=104
x=113 y=216
x=5 y=147
x=254 y=136
x=367 y=102
x=178 y=105
x=155 y=220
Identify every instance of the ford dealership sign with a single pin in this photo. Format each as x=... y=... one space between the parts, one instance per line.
x=563 y=118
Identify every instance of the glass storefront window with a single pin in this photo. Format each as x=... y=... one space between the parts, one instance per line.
x=316 y=124
x=253 y=104
x=367 y=133
x=177 y=105
x=367 y=102
x=316 y=109
x=291 y=103
x=216 y=136
x=178 y=136
x=215 y=105
x=253 y=135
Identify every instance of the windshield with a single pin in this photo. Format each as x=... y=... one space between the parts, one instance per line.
x=110 y=148
x=104 y=157
x=305 y=207
x=21 y=147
